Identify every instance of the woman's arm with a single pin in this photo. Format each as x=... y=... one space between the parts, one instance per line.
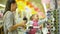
x=14 y=27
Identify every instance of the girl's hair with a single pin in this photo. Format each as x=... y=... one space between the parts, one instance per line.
x=8 y=5
x=31 y=18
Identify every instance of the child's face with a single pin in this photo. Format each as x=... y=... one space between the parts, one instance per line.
x=36 y=17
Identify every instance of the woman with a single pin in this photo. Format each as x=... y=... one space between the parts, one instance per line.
x=9 y=20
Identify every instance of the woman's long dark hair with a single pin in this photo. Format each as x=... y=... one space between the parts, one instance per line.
x=8 y=5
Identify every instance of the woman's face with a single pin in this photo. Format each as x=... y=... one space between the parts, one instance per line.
x=13 y=6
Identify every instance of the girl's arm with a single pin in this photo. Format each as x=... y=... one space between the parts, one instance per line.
x=42 y=21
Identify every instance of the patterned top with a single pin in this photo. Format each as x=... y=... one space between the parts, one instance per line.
x=8 y=22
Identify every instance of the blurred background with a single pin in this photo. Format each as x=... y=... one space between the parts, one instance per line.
x=54 y=10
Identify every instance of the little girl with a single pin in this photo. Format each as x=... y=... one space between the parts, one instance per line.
x=35 y=22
